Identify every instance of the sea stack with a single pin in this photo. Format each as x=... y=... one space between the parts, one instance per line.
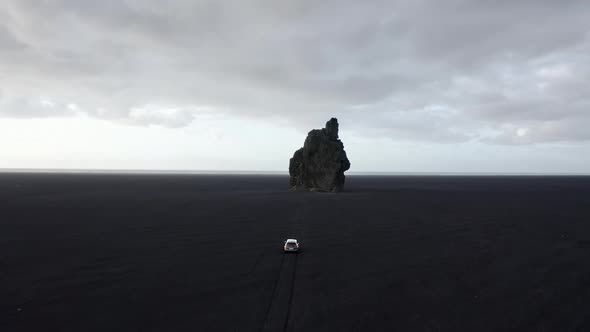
x=320 y=164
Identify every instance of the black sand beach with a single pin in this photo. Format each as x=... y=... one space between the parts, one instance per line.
x=203 y=253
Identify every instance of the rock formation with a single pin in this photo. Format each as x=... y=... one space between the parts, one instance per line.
x=320 y=164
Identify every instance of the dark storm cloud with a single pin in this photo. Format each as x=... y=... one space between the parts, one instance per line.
x=496 y=71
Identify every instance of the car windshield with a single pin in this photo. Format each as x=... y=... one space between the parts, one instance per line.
x=291 y=244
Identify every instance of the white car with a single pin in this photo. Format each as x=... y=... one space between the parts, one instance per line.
x=291 y=245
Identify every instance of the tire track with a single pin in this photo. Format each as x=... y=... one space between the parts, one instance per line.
x=291 y=295
x=272 y=297
x=299 y=231
x=278 y=313
x=278 y=310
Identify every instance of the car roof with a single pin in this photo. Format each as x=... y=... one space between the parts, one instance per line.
x=291 y=240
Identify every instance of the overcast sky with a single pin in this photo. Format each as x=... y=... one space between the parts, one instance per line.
x=428 y=86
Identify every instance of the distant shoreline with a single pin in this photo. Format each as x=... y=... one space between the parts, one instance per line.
x=249 y=172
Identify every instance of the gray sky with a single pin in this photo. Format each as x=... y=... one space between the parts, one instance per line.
x=440 y=86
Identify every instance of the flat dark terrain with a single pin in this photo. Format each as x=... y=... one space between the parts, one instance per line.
x=203 y=253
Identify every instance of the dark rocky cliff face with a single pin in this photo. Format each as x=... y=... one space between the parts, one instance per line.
x=320 y=164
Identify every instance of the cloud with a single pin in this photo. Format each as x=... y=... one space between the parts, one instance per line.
x=410 y=70
x=171 y=118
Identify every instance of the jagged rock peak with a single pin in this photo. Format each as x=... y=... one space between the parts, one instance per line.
x=332 y=128
x=320 y=164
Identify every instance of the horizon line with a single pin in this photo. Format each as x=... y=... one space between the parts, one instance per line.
x=267 y=172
